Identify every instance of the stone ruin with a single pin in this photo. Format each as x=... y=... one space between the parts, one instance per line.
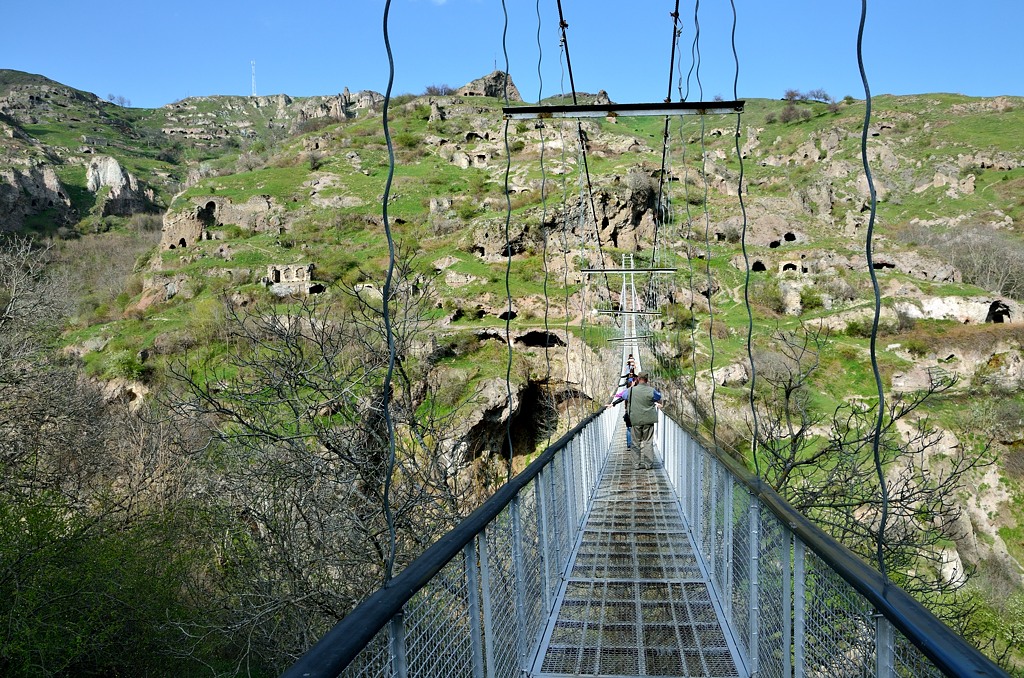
x=188 y=225
x=292 y=279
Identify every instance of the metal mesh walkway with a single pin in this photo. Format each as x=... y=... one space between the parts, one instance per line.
x=637 y=602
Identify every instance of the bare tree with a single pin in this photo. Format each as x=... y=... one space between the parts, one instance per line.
x=824 y=466
x=299 y=457
x=94 y=536
x=986 y=257
x=787 y=424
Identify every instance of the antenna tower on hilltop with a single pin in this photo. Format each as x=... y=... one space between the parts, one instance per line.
x=253 y=64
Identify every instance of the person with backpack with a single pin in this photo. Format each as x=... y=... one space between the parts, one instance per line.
x=642 y=404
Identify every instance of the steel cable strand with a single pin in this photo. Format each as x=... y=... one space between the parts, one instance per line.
x=664 y=151
x=876 y=439
x=649 y=292
x=565 y=229
x=711 y=282
x=584 y=295
x=746 y=257
x=685 y=95
x=707 y=226
x=564 y=25
x=585 y=382
x=508 y=255
x=385 y=311
x=544 y=228
x=665 y=291
x=690 y=272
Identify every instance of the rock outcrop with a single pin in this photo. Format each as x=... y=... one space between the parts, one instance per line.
x=493 y=85
x=124 y=196
x=32 y=191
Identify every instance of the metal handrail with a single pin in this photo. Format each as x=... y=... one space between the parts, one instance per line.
x=951 y=654
x=339 y=646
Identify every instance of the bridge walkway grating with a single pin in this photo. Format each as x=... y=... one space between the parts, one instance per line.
x=637 y=602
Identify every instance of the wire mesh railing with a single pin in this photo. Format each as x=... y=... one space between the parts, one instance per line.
x=796 y=601
x=477 y=601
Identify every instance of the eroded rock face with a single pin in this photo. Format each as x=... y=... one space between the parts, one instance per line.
x=481 y=428
x=35 y=190
x=125 y=195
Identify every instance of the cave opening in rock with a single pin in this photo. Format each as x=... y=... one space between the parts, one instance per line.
x=774 y=244
x=879 y=265
x=789 y=237
x=998 y=312
x=758 y=266
x=533 y=422
x=182 y=243
x=540 y=339
x=208 y=215
x=790 y=266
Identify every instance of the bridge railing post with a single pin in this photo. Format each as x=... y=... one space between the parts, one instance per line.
x=474 y=604
x=487 y=604
x=885 y=663
x=399 y=665
x=754 y=607
x=542 y=487
x=728 y=553
x=799 y=607
x=519 y=581
x=786 y=558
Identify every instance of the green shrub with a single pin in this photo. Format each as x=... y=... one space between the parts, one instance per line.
x=859 y=328
x=127 y=364
x=467 y=210
x=766 y=294
x=406 y=139
x=810 y=299
x=917 y=347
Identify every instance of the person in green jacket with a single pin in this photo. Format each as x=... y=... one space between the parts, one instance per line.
x=642 y=404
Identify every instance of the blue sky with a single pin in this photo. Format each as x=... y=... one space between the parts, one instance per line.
x=154 y=52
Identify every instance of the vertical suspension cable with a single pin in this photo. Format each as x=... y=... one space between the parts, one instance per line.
x=685 y=96
x=707 y=225
x=690 y=270
x=564 y=25
x=877 y=436
x=565 y=231
x=543 y=226
x=746 y=257
x=508 y=255
x=649 y=293
x=389 y=565
x=672 y=55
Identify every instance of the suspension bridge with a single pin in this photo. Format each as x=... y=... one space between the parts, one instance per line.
x=586 y=565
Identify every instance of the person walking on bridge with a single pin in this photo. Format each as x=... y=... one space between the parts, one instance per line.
x=642 y=404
